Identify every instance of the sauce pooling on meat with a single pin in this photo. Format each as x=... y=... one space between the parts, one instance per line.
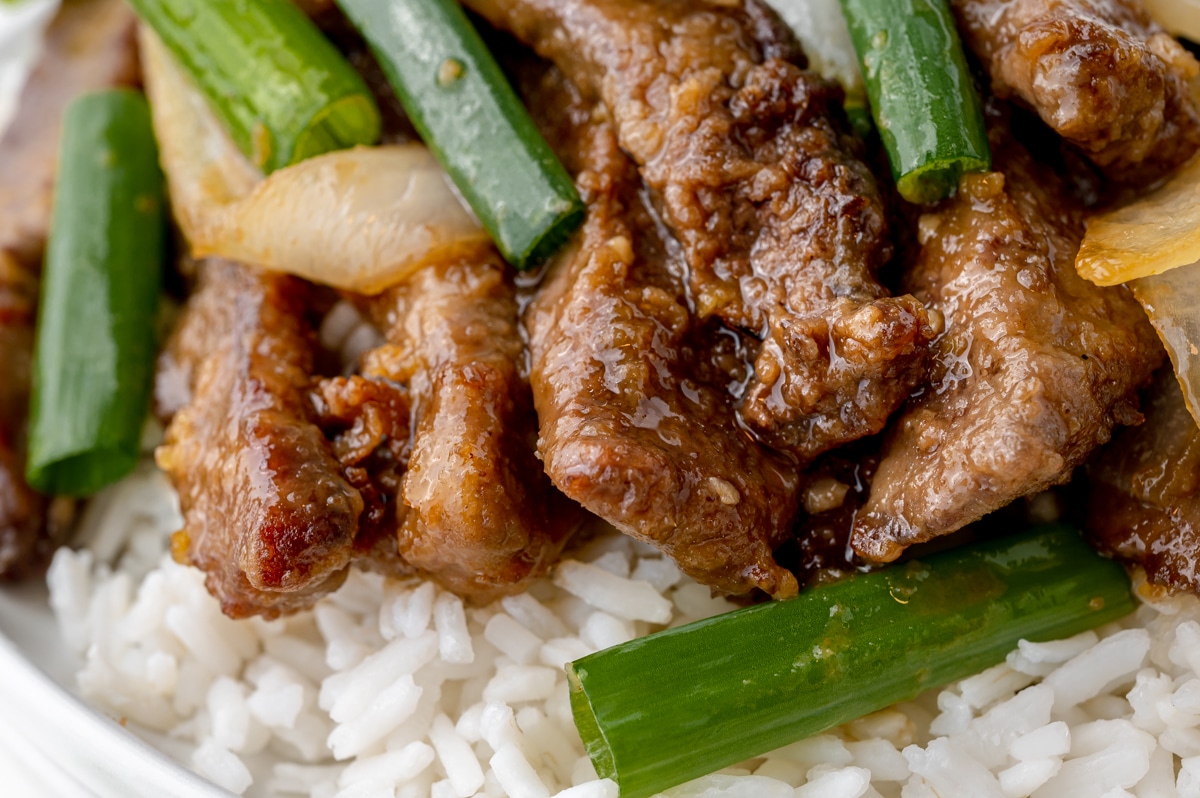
x=782 y=227
x=1036 y=367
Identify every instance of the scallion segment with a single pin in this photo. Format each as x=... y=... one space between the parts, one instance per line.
x=467 y=113
x=922 y=96
x=94 y=356
x=668 y=708
x=278 y=85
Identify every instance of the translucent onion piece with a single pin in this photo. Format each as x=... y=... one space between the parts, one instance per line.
x=1151 y=235
x=1172 y=300
x=205 y=169
x=360 y=220
x=1180 y=17
x=821 y=29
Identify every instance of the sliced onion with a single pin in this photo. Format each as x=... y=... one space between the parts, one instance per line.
x=821 y=29
x=1151 y=235
x=1180 y=17
x=360 y=220
x=1172 y=301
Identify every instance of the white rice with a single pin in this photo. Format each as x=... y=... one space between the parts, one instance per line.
x=397 y=689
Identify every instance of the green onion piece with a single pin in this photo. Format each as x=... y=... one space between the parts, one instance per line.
x=673 y=706
x=467 y=113
x=95 y=349
x=922 y=96
x=278 y=85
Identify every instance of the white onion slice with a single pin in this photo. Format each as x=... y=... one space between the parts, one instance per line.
x=821 y=29
x=1152 y=234
x=1180 y=17
x=360 y=220
x=1172 y=301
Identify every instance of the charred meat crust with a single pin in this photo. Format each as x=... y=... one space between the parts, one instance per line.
x=1036 y=368
x=636 y=422
x=1101 y=73
x=268 y=515
x=478 y=513
x=751 y=164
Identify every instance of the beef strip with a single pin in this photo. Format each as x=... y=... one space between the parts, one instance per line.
x=367 y=423
x=1101 y=73
x=479 y=514
x=1145 y=501
x=268 y=514
x=750 y=159
x=1036 y=366
x=88 y=46
x=636 y=421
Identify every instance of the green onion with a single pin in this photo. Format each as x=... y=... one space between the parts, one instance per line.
x=278 y=85
x=94 y=356
x=922 y=96
x=665 y=709
x=469 y=116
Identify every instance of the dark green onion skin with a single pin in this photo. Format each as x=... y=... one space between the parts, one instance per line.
x=922 y=96
x=467 y=113
x=95 y=349
x=676 y=705
x=280 y=88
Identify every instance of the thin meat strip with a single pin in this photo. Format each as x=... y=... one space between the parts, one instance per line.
x=88 y=46
x=477 y=511
x=1036 y=367
x=1145 y=502
x=269 y=515
x=1101 y=73
x=636 y=422
x=752 y=167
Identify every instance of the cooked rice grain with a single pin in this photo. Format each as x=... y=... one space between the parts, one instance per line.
x=397 y=689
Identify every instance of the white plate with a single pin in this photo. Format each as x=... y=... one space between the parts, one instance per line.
x=70 y=748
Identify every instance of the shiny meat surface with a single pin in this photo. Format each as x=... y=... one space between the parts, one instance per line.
x=269 y=517
x=636 y=422
x=478 y=513
x=1101 y=73
x=1036 y=367
x=1145 y=502
x=366 y=421
x=748 y=158
x=88 y=46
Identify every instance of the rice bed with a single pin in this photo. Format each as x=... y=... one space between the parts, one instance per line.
x=399 y=690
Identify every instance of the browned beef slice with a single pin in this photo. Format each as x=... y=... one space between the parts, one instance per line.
x=1145 y=502
x=88 y=46
x=636 y=421
x=366 y=421
x=1036 y=367
x=1102 y=73
x=478 y=514
x=268 y=515
x=781 y=225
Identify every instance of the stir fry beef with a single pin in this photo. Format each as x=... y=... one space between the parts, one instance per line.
x=478 y=513
x=268 y=515
x=636 y=422
x=1035 y=369
x=366 y=421
x=1101 y=73
x=1145 y=502
x=781 y=225
x=88 y=46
